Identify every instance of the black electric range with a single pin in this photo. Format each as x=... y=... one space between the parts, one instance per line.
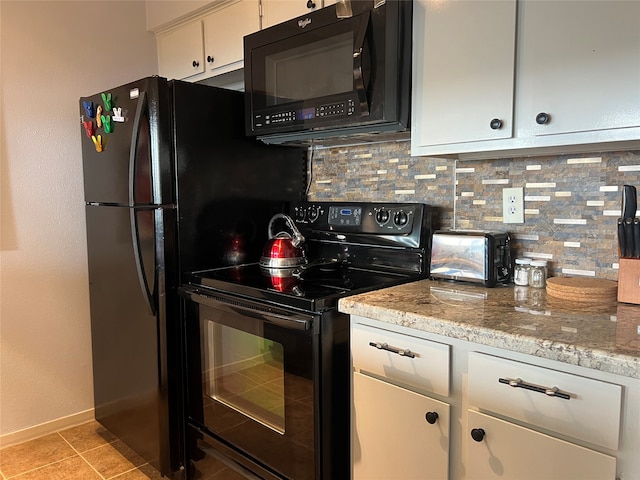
x=242 y=321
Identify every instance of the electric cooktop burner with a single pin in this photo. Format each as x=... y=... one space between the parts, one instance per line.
x=315 y=288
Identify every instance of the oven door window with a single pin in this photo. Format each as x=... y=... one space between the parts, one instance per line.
x=246 y=373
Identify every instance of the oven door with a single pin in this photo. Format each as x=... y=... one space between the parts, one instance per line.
x=312 y=77
x=251 y=382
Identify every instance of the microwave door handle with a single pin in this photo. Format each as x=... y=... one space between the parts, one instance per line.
x=358 y=49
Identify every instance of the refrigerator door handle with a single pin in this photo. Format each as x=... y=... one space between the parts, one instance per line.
x=142 y=276
x=133 y=150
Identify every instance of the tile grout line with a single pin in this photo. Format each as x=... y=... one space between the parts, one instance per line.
x=124 y=473
x=80 y=455
x=38 y=468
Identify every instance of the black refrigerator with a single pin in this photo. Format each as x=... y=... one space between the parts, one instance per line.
x=171 y=185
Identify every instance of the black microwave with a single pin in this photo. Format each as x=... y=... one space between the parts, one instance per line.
x=342 y=70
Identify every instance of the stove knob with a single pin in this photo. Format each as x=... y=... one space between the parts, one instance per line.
x=400 y=219
x=313 y=213
x=300 y=214
x=382 y=216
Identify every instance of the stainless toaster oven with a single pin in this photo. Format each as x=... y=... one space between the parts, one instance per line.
x=473 y=256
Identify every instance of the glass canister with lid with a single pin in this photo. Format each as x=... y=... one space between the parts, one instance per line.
x=521 y=271
x=538 y=274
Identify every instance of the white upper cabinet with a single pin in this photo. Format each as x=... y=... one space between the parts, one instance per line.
x=209 y=44
x=224 y=31
x=181 y=51
x=162 y=14
x=463 y=71
x=278 y=11
x=563 y=76
x=579 y=63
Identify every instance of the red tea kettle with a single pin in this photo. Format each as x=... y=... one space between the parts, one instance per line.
x=283 y=250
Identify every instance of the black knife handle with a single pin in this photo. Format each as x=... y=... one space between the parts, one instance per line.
x=622 y=246
x=629 y=202
x=636 y=238
x=628 y=240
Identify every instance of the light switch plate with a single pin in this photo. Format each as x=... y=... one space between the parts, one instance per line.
x=513 y=205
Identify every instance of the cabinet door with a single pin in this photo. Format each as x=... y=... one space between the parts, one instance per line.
x=510 y=451
x=579 y=62
x=463 y=64
x=180 y=52
x=392 y=438
x=278 y=11
x=224 y=31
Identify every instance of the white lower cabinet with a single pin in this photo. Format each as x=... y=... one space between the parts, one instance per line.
x=500 y=414
x=398 y=434
x=529 y=398
x=503 y=450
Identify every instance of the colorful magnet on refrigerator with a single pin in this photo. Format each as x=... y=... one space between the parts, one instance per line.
x=98 y=116
x=107 y=101
x=97 y=141
x=88 y=107
x=106 y=123
x=117 y=114
x=88 y=127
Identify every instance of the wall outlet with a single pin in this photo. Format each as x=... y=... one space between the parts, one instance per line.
x=513 y=205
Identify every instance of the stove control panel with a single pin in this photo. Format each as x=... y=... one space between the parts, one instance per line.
x=359 y=217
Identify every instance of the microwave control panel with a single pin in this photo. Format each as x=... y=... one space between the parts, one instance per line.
x=304 y=115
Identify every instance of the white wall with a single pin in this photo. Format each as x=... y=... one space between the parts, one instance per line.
x=52 y=52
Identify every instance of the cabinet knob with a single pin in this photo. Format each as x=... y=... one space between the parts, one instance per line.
x=496 y=124
x=477 y=434
x=432 y=417
x=542 y=118
x=311 y=4
x=210 y=59
x=195 y=64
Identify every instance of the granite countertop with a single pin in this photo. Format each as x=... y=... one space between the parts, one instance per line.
x=520 y=319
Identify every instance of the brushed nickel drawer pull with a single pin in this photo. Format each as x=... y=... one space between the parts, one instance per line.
x=403 y=352
x=519 y=383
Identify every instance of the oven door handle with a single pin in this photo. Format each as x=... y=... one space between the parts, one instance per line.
x=292 y=321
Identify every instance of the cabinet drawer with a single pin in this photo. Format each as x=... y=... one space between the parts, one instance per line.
x=424 y=366
x=590 y=413
x=508 y=451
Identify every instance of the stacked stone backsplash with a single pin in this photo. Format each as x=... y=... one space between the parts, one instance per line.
x=572 y=202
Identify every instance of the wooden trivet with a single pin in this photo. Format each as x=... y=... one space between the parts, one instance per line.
x=583 y=289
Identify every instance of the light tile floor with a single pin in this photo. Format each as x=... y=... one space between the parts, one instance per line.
x=85 y=452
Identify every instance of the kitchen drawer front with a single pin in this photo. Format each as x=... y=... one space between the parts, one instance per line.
x=427 y=370
x=592 y=412
x=508 y=451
